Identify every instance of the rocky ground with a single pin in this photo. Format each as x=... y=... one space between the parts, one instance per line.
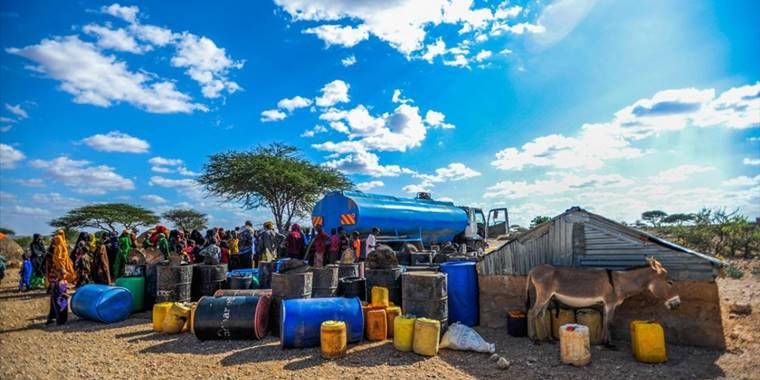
x=130 y=349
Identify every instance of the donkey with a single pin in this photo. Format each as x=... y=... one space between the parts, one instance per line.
x=585 y=287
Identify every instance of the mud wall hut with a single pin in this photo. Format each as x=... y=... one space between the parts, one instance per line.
x=579 y=238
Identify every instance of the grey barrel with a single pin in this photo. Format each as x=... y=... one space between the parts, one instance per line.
x=173 y=283
x=325 y=282
x=425 y=294
x=207 y=279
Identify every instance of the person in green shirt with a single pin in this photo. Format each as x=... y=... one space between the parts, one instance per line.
x=125 y=245
x=162 y=244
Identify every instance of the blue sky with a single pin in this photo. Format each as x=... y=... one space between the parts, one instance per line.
x=618 y=107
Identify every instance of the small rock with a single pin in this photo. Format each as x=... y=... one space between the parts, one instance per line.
x=741 y=308
x=494 y=357
x=502 y=363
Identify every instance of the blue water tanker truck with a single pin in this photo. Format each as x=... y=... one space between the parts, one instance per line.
x=420 y=221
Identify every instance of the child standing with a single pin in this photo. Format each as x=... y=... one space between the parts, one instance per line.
x=25 y=274
x=59 y=300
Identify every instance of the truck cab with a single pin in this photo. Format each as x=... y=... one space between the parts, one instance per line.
x=481 y=231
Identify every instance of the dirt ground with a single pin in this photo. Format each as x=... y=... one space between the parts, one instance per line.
x=130 y=349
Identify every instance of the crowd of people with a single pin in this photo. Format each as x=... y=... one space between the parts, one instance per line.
x=100 y=258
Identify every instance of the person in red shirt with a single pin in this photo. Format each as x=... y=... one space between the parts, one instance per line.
x=295 y=243
x=321 y=240
x=334 y=247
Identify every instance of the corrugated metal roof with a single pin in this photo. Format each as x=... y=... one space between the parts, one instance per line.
x=584 y=239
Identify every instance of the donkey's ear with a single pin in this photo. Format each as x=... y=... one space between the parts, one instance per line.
x=650 y=260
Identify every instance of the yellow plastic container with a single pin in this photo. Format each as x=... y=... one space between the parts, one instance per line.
x=593 y=320
x=333 y=339
x=380 y=296
x=403 y=333
x=426 y=334
x=391 y=313
x=376 y=327
x=540 y=328
x=565 y=316
x=191 y=322
x=176 y=318
x=159 y=313
x=574 y=347
x=648 y=342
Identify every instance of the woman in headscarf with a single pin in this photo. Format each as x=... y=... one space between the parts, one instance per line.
x=61 y=259
x=162 y=245
x=200 y=242
x=125 y=245
x=158 y=230
x=37 y=250
x=295 y=243
x=83 y=262
x=81 y=242
x=101 y=273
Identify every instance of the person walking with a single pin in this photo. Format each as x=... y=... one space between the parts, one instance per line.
x=101 y=272
x=61 y=259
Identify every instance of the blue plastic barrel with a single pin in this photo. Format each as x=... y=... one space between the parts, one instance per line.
x=102 y=303
x=302 y=318
x=463 y=291
x=243 y=272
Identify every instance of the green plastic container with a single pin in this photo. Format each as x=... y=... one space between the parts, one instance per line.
x=136 y=286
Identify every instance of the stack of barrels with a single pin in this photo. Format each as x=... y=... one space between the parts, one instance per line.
x=285 y=286
x=168 y=283
x=425 y=294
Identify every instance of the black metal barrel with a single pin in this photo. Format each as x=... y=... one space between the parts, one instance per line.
x=325 y=282
x=350 y=287
x=207 y=279
x=172 y=283
x=231 y=318
x=386 y=278
x=425 y=294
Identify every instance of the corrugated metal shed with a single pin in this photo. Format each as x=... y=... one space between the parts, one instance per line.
x=583 y=239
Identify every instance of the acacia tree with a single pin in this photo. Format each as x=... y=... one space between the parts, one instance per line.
x=186 y=219
x=106 y=216
x=272 y=176
x=654 y=217
x=539 y=220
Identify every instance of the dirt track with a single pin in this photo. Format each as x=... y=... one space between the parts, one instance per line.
x=130 y=349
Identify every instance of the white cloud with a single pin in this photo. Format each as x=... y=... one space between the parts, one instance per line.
x=396 y=98
x=170 y=165
x=483 y=55
x=360 y=161
x=294 y=103
x=83 y=177
x=416 y=188
x=403 y=24
x=312 y=132
x=115 y=39
x=680 y=173
x=560 y=18
x=4 y=119
x=333 y=93
x=102 y=80
x=345 y=36
x=116 y=141
x=524 y=27
x=751 y=161
x=30 y=182
x=57 y=201
x=30 y=211
x=154 y=198
x=348 y=61
x=435 y=120
x=557 y=184
x=459 y=61
x=742 y=181
x=367 y=186
x=17 y=110
x=9 y=156
x=127 y=13
x=272 y=115
x=206 y=63
x=152 y=34
x=173 y=183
